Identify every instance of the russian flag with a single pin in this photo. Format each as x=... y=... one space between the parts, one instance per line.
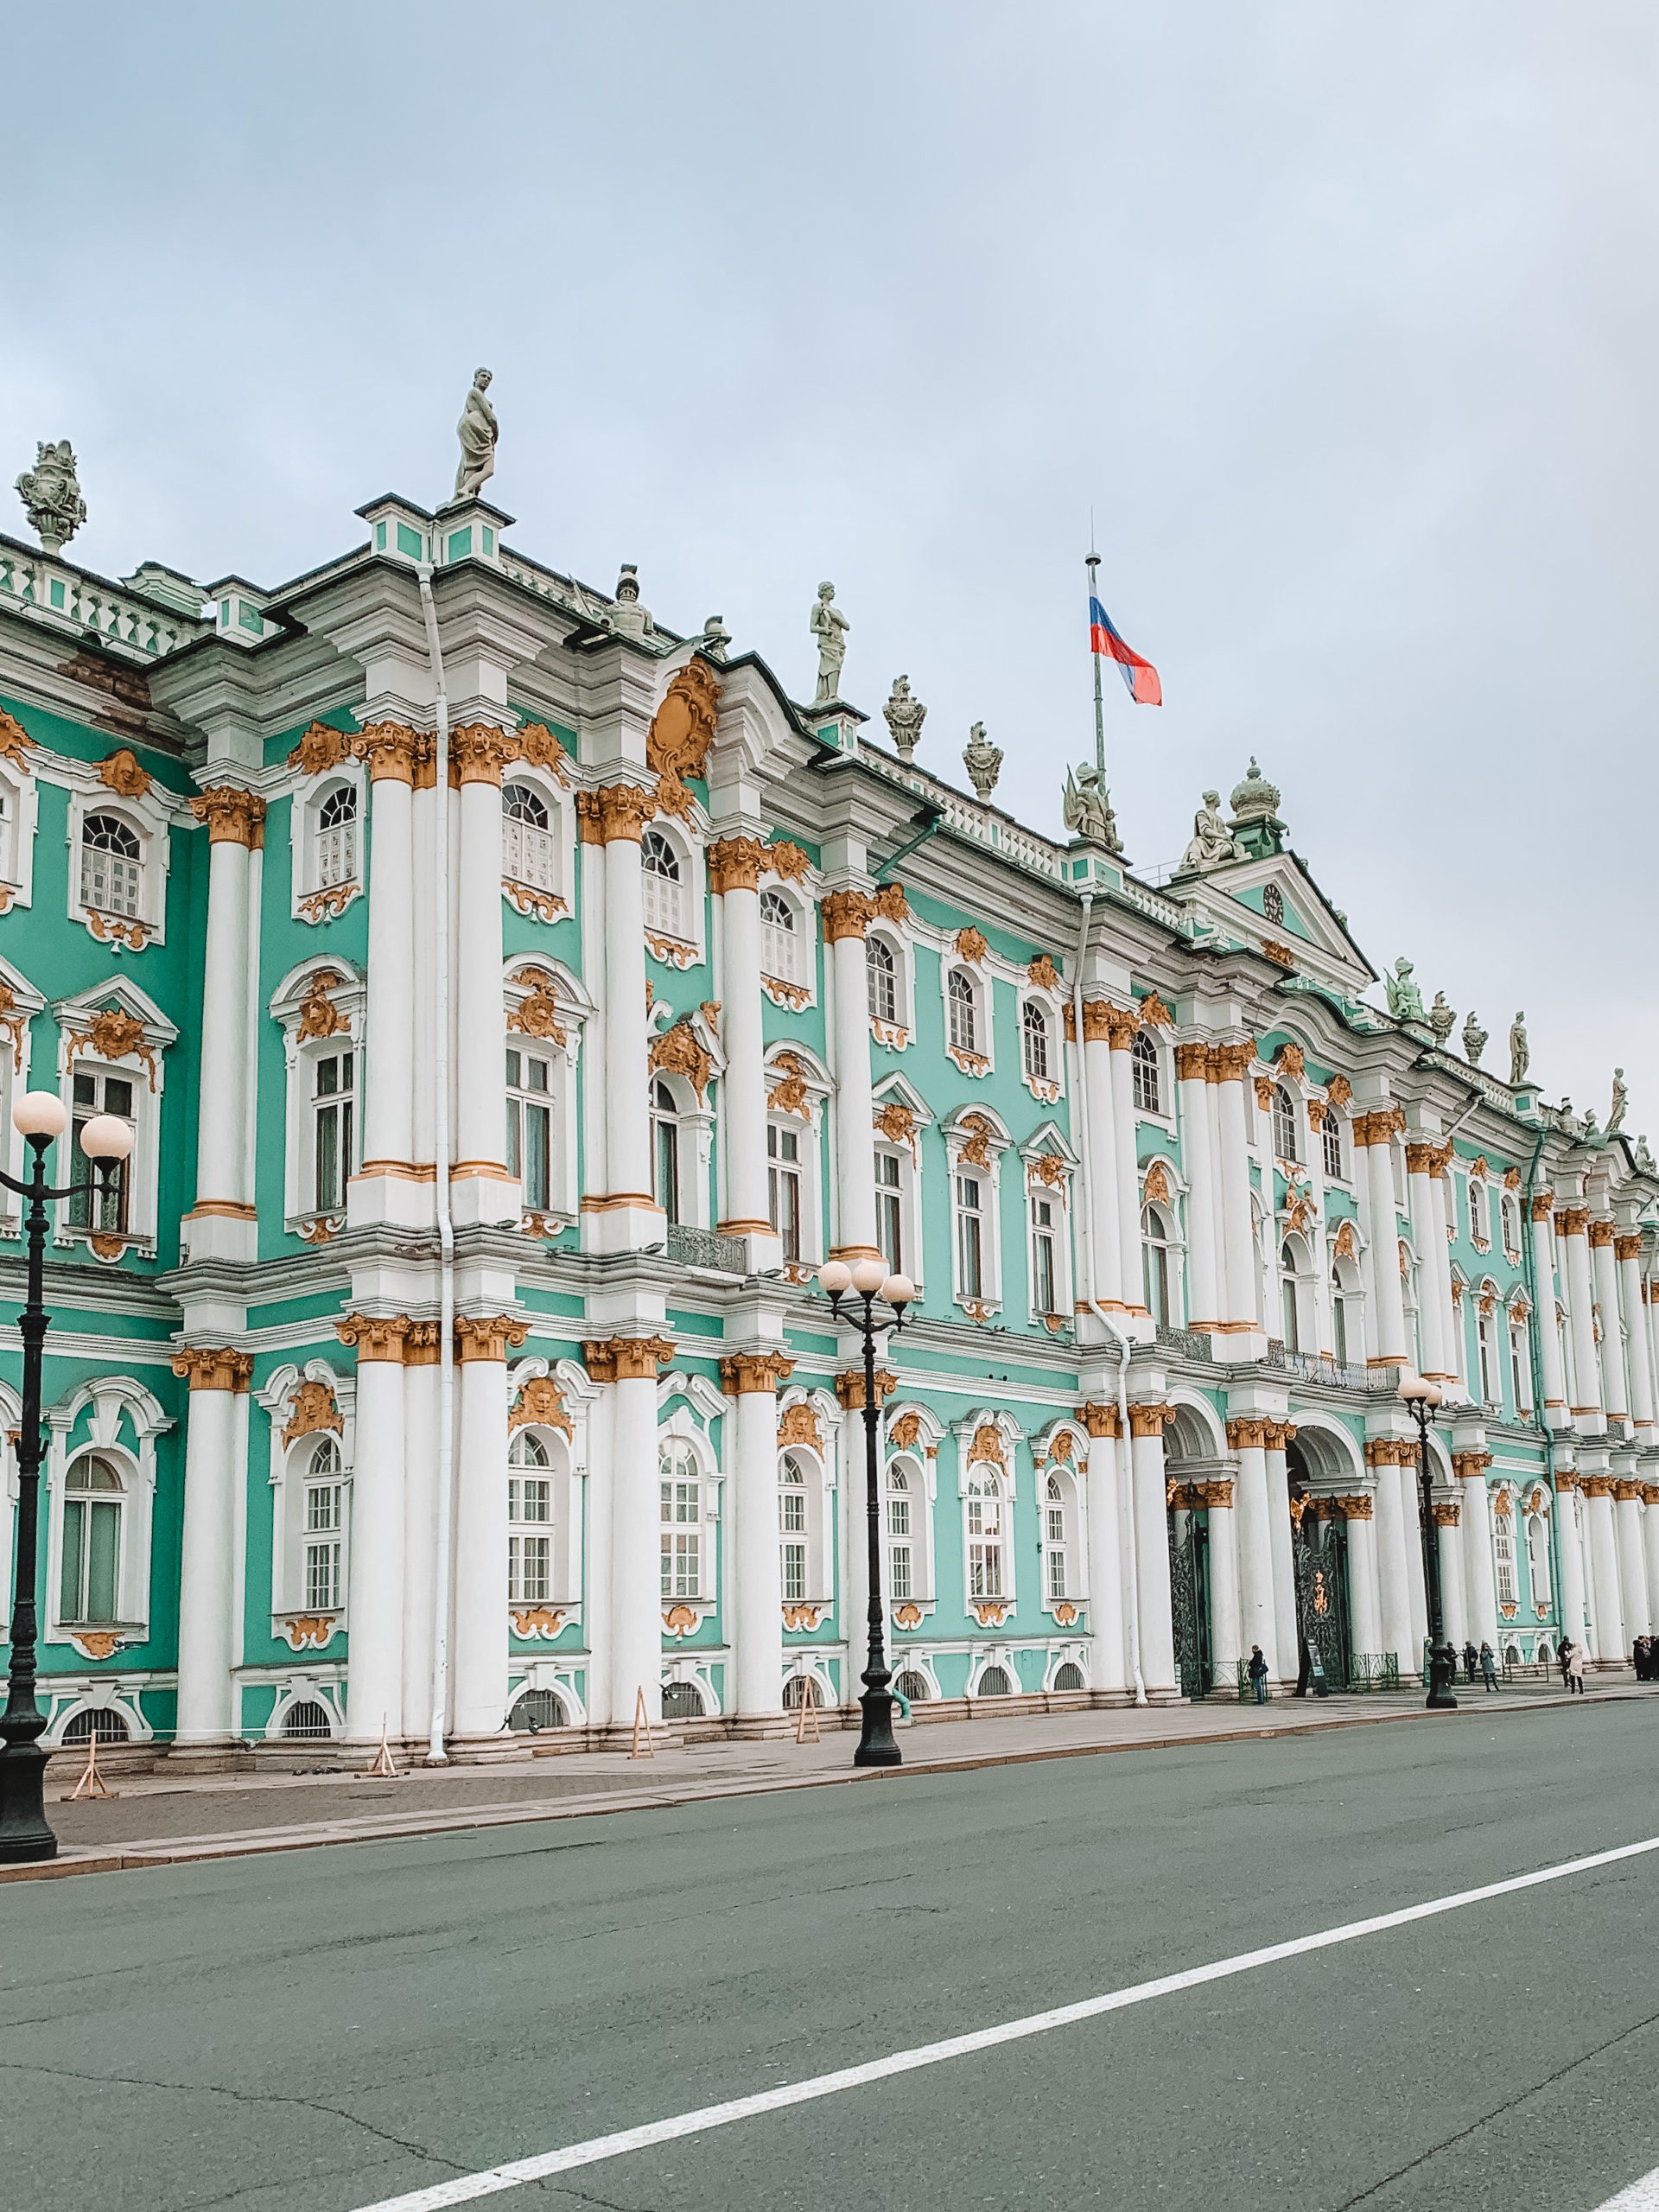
x=1140 y=676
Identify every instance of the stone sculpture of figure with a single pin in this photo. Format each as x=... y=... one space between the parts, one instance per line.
x=1474 y=1039
x=1088 y=809
x=829 y=626
x=1441 y=1018
x=716 y=638
x=982 y=761
x=1520 y=1052
x=1621 y=1100
x=51 y=494
x=1213 y=843
x=1587 y=1128
x=905 y=717
x=1405 y=999
x=1644 y=1157
x=477 y=431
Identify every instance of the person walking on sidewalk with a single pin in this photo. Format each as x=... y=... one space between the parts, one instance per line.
x=1575 y=1669
x=1561 y=1658
x=1487 y=1665
x=1470 y=1660
x=1258 y=1674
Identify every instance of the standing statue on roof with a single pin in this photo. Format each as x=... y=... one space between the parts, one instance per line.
x=1087 y=808
x=1520 y=1050
x=1621 y=1100
x=1405 y=999
x=829 y=626
x=477 y=431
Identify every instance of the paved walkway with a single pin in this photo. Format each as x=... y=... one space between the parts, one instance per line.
x=159 y=1820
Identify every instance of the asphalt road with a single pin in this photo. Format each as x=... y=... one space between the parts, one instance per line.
x=326 y=2030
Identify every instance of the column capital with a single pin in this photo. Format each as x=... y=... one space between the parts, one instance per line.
x=1602 y=1233
x=486 y=1336
x=1191 y=1063
x=1420 y=1159
x=1445 y=1513
x=478 y=753
x=736 y=864
x=743 y=1374
x=390 y=749
x=224 y=1369
x=1247 y=1432
x=1215 y=1492
x=626 y=1359
x=1148 y=1420
x=1231 y=1063
x=1468 y=1464
x=850 y=1387
x=1122 y=1028
x=375 y=1336
x=1627 y=1248
x=1572 y=1221
x=1276 y=1434
x=1626 y=1491
x=1390 y=1451
x=421 y=1346
x=1358 y=1506
x=624 y=810
x=1100 y=1420
x=1543 y=1202
x=233 y=817
x=850 y=913
x=1596 y=1485
x=589 y=829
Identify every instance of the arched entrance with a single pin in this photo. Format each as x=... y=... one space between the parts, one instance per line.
x=1319 y=1551
x=1194 y=1476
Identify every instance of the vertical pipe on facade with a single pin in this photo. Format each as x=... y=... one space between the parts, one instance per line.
x=436 y=1756
x=1126 y=1481
x=1536 y=1361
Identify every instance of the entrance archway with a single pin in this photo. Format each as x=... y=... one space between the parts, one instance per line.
x=1194 y=1475
x=1319 y=1551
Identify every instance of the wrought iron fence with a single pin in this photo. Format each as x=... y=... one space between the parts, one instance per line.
x=1374 y=1670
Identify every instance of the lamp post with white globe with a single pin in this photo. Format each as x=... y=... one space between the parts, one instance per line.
x=871 y=1284
x=1420 y=1395
x=41 y=1118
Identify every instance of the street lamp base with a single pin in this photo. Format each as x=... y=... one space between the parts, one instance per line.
x=876 y=1745
x=1442 y=1673
x=24 y=1834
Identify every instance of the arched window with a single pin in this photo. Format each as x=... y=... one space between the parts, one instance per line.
x=530 y=1522
x=1292 y=1335
x=100 y=1721
x=665 y=1150
x=1284 y=1123
x=1156 y=1236
x=1538 y=1557
x=1331 y=1138
x=964 y=1013
x=305 y=1721
x=1520 y=1364
x=995 y=1682
x=111 y=865
x=1345 y=1286
x=780 y=941
x=336 y=835
x=984 y=1517
x=682 y=1508
x=529 y=855
x=1477 y=1230
x=913 y=1686
x=900 y=1536
x=665 y=892
x=530 y=1124
x=681 y=1702
x=881 y=973
x=90 y=1582
x=1055 y=1540
x=535 y=1710
x=1034 y=1024
x=1486 y=1338
x=1143 y=1063
x=1503 y=1548
x=325 y=1526
x=792 y=1526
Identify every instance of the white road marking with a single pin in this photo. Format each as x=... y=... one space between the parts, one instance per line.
x=1642 y=2196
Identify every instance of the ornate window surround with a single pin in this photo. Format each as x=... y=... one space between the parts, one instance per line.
x=981 y=1060
x=972 y=1464
x=896 y=1102
x=560 y=802
x=687 y=1407
x=529 y=1021
x=801 y=990
x=298 y=1004
x=899 y=937
x=686 y=838
x=309 y=900
x=291 y=1397
x=1051 y=1090
x=135 y=1016
x=568 y=1453
x=970 y=1130
x=20 y=791
x=798 y=1087
x=126 y=1419
x=149 y=812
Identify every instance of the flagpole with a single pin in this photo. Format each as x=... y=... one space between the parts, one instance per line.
x=1091 y=564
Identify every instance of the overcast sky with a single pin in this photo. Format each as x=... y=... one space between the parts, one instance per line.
x=1341 y=319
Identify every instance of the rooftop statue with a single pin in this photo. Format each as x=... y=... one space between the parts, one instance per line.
x=1441 y=1018
x=1621 y=1100
x=1213 y=843
x=716 y=638
x=1405 y=999
x=1474 y=1039
x=982 y=761
x=477 y=431
x=1589 y=1130
x=1644 y=1157
x=1087 y=808
x=51 y=495
x=829 y=626
x=1520 y=1052
x=1255 y=797
x=905 y=717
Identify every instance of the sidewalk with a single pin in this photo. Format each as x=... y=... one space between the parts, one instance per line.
x=161 y=1820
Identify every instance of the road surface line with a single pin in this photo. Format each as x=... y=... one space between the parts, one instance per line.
x=494 y=2179
x=1640 y=2196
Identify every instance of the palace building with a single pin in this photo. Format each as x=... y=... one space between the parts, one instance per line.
x=515 y=1001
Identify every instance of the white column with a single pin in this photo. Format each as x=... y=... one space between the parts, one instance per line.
x=1204 y=1302
x=1394 y=1583
x=734 y=872
x=1454 y=1611
x=1374 y=1132
x=222 y=1116
x=1277 y=1434
x=1543 y=1318
x=750 y=1383
x=1452 y=1349
x=210 y=1577
x=1571 y=1222
x=1227 y=1064
x=599 y=1585
x=1627 y=1251
x=479 y=1644
x=1650 y=1546
x=1257 y=1611
x=1632 y=1563
x=1615 y=1396
x=376 y=1596
x=625 y=812
x=846 y=914
x=1110 y=1287
x=1569 y=1558
x=1479 y=1573
x=1365 y=1615
x=1436 y=1333
x=1225 y=1646
x=1123 y=1029
x=1154 y=1610
x=1612 y=1641
x=389 y=1093
x=1106 y=1563
x=424 y=847
x=420 y=1501
x=481 y=1189
x=636 y=1573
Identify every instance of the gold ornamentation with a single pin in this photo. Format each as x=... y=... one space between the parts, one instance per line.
x=377 y=1336
x=1157 y=1186
x=313 y=1628
x=534 y=1622
x=1264 y=1090
x=907 y=1616
x=1317 y=1110
x=1446 y=1514
x=541 y=1402
x=990 y=1612
x=589 y=829
x=479 y=753
x=538 y=1015
x=804 y=1615
x=1230 y=1063
x=1602 y=1234
x=1122 y=1028
x=1280 y=955
x=326 y=904
x=678 y=1050
x=976 y=1152
x=322 y=1229
x=135 y=935
x=1048 y=1169
x=988 y=1444
x=106 y=1246
x=973 y=1064
x=1291 y=1061
x=787 y=860
x=709 y=1009
x=745 y=1374
x=1099 y=1420
x=96 y=1643
x=14 y=741
x=681 y=730
x=971 y=946
x=674 y=950
x=545 y=905
x=800 y=1425
x=790 y=1096
x=1191 y=1063
x=1065 y=1613
x=314 y=1408
x=390 y=748
x=905 y=1434
x=848 y=914
x=1419 y=1159
x=1465 y=1464
x=538 y=748
x=628 y=1359
x=1627 y=1248
x=1043 y=972
x=735 y=864
x=122 y=774
x=233 y=817
x=1572 y=1221
x=1153 y=1010
x=1345 y=1248
x=224 y=1368
x=1358 y=1507
x=14 y=1023
x=1543 y=1203
x=1247 y=1432
x=1340 y=1090
x=977 y=1312
x=681 y=1620
x=319 y=1015
x=486 y=1337
x=850 y=1387
x=1457 y=1290
x=1150 y=1420
x=624 y=810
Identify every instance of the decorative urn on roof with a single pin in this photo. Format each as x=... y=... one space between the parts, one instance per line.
x=1256 y=822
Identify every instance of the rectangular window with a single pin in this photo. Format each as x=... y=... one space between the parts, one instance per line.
x=888 y=1220
x=681 y=1508
x=1518 y=1367
x=970 y=1274
x=331 y=1142
x=528 y=854
x=984 y=1552
x=784 y=1187
x=1332 y=1139
x=93 y=1095
x=530 y=1127
x=899 y=1546
x=91 y=1544
x=323 y=1509
x=1503 y=1547
x=1042 y=1255
x=529 y=1569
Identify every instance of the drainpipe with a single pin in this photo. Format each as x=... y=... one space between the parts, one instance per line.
x=1536 y=1362
x=1126 y=1475
x=436 y=1755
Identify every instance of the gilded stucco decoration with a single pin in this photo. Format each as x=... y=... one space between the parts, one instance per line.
x=320 y=747
x=1290 y=1061
x=977 y=1151
x=988 y=1444
x=971 y=946
x=114 y=1034
x=541 y=1402
x=798 y=1424
x=122 y=774
x=677 y=1051
x=14 y=1024
x=789 y=1093
x=905 y=1433
x=1153 y=1010
x=313 y=1407
x=538 y=748
x=538 y=1014
x=681 y=732
x=14 y=741
x=1043 y=972
x=319 y=1015
x=1157 y=1187
x=788 y=860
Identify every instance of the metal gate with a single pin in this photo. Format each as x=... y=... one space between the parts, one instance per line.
x=1320 y=1552
x=1189 y=1593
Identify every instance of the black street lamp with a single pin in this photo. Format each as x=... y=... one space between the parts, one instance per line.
x=40 y=1116
x=1420 y=1395
x=869 y=1281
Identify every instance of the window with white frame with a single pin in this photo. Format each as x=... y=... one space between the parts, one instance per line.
x=1034 y=1022
x=963 y=1002
x=1284 y=1123
x=1511 y=1215
x=1044 y=1253
x=1145 y=1074
x=1477 y=1229
x=971 y=1195
x=111 y=866
x=1538 y=1557
x=889 y=1210
x=530 y=1522
x=529 y=851
x=335 y=856
x=1504 y=1550
x=1520 y=1363
x=93 y=1093
x=530 y=1125
x=1157 y=1275
x=1058 y=1574
x=983 y=1516
x=681 y=1486
x=332 y=1097
x=902 y=1500
x=781 y=948
x=783 y=1185
x=882 y=974
x=1330 y=1142
x=666 y=907
x=1486 y=1341
x=792 y=1526
x=89 y=1580
x=323 y=1525
x=665 y=1149
x=1345 y=1311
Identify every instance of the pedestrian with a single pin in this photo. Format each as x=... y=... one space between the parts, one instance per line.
x=1258 y=1674
x=1487 y=1665
x=1471 y=1660
x=1561 y=1657
x=1575 y=1669
x=1643 y=1654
